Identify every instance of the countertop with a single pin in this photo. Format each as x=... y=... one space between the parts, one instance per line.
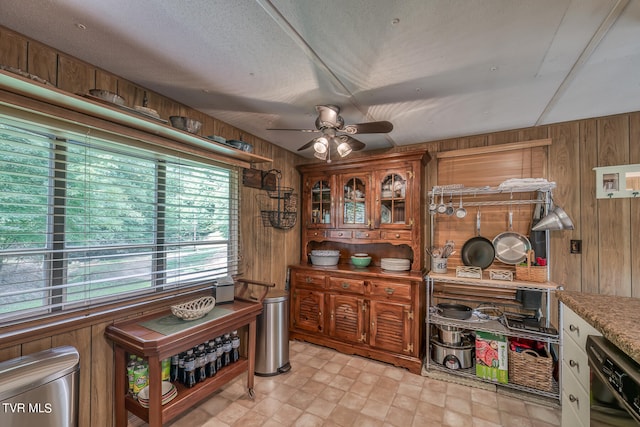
x=617 y=318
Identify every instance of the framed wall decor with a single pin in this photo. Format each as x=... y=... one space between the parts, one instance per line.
x=614 y=182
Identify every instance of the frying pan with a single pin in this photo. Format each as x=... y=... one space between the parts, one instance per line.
x=478 y=251
x=454 y=311
x=511 y=247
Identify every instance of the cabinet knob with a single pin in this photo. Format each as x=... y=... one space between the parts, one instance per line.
x=340 y=234
x=308 y=279
x=574 y=328
x=315 y=234
x=574 y=364
x=366 y=234
x=397 y=236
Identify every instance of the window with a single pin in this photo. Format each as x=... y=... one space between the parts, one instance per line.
x=84 y=221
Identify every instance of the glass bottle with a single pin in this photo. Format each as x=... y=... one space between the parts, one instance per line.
x=226 y=347
x=211 y=359
x=190 y=369
x=181 y=357
x=175 y=362
x=235 y=347
x=201 y=364
x=219 y=353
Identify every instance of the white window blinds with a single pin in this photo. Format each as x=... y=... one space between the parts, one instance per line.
x=84 y=221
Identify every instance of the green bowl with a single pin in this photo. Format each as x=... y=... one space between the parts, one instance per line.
x=360 y=261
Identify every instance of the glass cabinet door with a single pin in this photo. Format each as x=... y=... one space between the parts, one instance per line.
x=355 y=210
x=321 y=212
x=393 y=199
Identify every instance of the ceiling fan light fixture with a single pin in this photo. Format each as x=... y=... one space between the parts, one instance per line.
x=344 y=149
x=321 y=145
x=321 y=156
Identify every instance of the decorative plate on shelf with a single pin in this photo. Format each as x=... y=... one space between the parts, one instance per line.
x=386 y=214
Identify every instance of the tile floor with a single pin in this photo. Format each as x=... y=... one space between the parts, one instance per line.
x=327 y=388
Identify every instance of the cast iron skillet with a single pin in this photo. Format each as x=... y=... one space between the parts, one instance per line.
x=454 y=311
x=478 y=251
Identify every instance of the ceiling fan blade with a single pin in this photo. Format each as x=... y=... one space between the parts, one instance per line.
x=354 y=143
x=370 y=127
x=307 y=145
x=298 y=130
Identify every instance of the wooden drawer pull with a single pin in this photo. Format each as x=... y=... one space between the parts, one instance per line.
x=397 y=236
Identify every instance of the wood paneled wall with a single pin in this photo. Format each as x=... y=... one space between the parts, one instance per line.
x=607 y=265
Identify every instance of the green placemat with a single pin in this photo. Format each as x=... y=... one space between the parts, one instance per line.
x=171 y=324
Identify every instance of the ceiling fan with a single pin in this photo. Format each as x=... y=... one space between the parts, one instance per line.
x=336 y=135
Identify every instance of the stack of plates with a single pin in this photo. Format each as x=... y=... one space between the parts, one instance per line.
x=395 y=264
x=169 y=392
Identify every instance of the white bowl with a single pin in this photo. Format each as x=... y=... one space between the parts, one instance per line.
x=361 y=255
x=324 y=260
x=325 y=252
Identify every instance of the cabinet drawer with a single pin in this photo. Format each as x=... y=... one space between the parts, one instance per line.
x=576 y=327
x=346 y=285
x=367 y=235
x=309 y=279
x=399 y=291
x=396 y=235
x=315 y=234
x=576 y=363
x=339 y=234
x=575 y=403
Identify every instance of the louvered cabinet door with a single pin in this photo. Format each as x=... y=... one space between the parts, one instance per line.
x=390 y=327
x=308 y=310
x=347 y=318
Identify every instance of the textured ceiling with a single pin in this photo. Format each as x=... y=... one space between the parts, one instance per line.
x=436 y=69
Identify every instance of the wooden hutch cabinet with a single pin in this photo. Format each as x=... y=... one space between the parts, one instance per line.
x=373 y=205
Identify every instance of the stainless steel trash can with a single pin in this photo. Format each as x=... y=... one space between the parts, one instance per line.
x=272 y=336
x=40 y=389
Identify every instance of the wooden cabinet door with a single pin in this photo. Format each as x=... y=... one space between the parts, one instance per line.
x=308 y=310
x=355 y=201
x=319 y=195
x=391 y=327
x=346 y=318
x=393 y=189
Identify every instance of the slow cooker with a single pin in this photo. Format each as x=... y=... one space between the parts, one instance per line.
x=459 y=356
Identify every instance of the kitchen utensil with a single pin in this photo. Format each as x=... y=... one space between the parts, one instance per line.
x=478 y=251
x=450 y=335
x=105 y=95
x=450 y=208
x=453 y=357
x=511 y=247
x=567 y=224
x=442 y=208
x=461 y=212
x=447 y=250
x=432 y=205
x=185 y=123
x=538 y=239
x=454 y=311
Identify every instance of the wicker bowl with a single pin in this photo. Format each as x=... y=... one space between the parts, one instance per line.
x=195 y=309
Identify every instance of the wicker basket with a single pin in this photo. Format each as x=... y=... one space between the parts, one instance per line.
x=529 y=369
x=195 y=309
x=531 y=273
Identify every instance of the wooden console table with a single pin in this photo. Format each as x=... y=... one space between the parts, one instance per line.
x=135 y=336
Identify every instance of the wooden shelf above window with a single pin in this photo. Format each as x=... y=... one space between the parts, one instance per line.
x=26 y=96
